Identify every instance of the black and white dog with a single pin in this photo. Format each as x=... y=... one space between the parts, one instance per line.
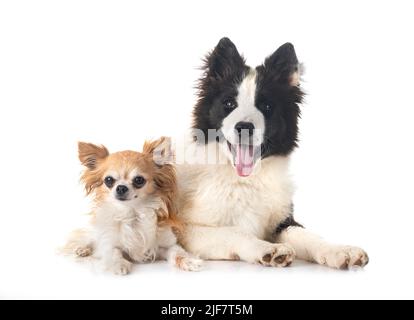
x=242 y=207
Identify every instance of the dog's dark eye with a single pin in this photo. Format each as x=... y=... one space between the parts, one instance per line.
x=138 y=182
x=267 y=108
x=229 y=104
x=109 y=181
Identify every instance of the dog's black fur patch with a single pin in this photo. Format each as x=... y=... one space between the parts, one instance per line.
x=288 y=222
x=274 y=89
x=224 y=69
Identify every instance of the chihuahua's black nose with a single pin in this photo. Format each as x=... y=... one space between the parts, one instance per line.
x=121 y=190
x=244 y=126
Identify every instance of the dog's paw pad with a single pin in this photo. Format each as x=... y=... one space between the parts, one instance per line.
x=280 y=256
x=267 y=258
x=280 y=259
x=343 y=257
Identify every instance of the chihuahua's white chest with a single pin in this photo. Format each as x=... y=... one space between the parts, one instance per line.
x=134 y=231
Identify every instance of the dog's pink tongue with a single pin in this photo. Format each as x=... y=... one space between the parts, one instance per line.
x=244 y=160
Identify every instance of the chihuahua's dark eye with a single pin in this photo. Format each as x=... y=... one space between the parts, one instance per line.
x=109 y=181
x=139 y=182
x=229 y=104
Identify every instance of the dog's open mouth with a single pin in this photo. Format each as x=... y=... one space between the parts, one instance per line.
x=244 y=157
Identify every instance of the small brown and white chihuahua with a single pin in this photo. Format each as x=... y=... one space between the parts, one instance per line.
x=134 y=217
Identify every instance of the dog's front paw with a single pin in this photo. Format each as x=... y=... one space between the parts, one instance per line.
x=121 y=267
x=277 y=255
x=188 y=263
x=343 y=257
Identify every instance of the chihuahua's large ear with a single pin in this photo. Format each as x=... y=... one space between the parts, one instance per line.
x=284 y=65
x=224 y=61
x=161 y=150
x=90 y=154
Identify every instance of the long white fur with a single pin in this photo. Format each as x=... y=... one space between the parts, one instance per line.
x=120 y=230
x=232 y=217
x=125 y=229
x=170 y=250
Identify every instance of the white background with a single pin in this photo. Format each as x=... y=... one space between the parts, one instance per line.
x=117 y=72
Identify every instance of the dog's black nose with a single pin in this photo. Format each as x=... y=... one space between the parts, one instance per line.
x=243 y=126
x=121 y=190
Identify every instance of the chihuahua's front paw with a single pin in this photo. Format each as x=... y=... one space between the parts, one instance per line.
x=188 y=263
x=343 y=257
x=121 y=267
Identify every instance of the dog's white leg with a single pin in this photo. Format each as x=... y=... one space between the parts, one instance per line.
x=231 y=243
x=117 y=263
x=172 y=252
x=311 y=247
x=113 y=258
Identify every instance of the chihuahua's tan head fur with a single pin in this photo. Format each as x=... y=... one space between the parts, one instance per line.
x=131 y=178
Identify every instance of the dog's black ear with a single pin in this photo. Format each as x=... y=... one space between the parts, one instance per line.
x=284 y=65
x=224 y=60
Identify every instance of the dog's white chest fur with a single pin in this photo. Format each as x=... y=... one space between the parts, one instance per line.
x=214 y=195
x=132 y=231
